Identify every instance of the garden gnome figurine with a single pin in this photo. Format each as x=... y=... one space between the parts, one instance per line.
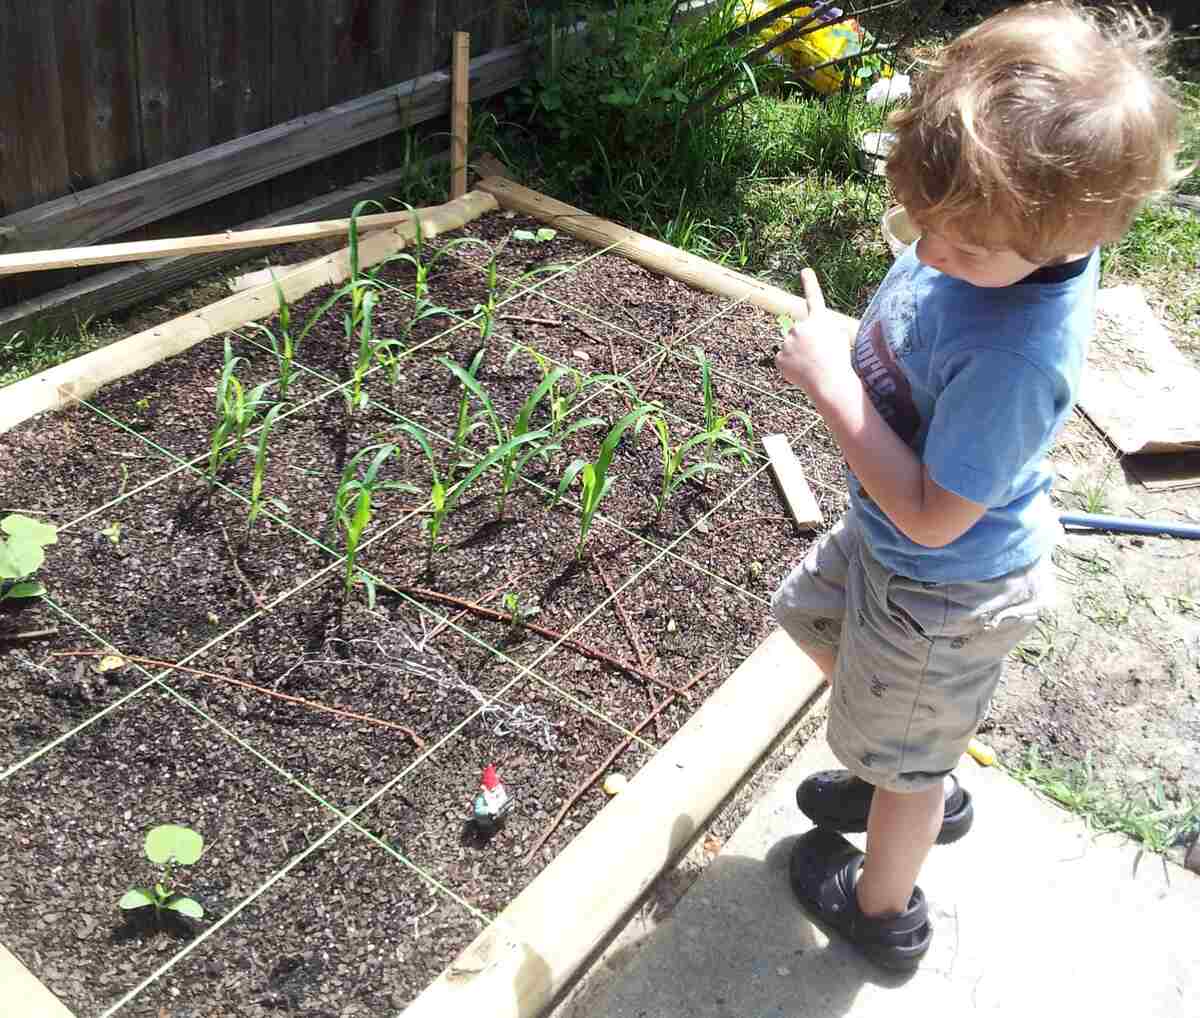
x=492 y=803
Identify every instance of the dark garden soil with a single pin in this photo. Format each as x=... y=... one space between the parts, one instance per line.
x=357 y=826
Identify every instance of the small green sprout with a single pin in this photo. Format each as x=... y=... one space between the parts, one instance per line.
x=423 y=269
x=542 y=236
x=283 y=346
x=236 y=410
x=716 y=423
x=593 y=477
x=352 y=509
x=168 y=846
x=358 y=399
x=22 y=554
x=260 y=465
x=565 y=394
x=674 y=473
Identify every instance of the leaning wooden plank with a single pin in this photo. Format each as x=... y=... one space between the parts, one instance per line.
x=653 y=254
x=796 y=491
x=170 y=247
x=24 y=993
x=82 y=376
x=148 y=195
x=111 y=291
x=520 y=963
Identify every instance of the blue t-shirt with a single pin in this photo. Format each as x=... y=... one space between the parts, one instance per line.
x=977 y=381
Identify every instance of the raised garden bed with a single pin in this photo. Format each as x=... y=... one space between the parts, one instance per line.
x=341 y=874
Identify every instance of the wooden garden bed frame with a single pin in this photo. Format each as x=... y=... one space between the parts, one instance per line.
x=520 y=964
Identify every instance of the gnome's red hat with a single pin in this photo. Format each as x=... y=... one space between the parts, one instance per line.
x=490 y=780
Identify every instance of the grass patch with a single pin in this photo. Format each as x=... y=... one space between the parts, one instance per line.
x=1144 y=814
x=28 y=352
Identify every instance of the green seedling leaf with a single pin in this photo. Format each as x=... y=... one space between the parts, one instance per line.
x=17 y=560
x=186 y=906
x=139 y=897
x=30 y=588
x=545 y=234
x=113 y=532
x=170 y=841
x=25 y=529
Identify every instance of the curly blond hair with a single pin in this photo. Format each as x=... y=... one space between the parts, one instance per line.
x=1042 y=131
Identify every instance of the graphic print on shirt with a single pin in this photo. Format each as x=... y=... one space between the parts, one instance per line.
x=884 y=330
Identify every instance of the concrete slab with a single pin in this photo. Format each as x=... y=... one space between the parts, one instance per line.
x=1034 y=916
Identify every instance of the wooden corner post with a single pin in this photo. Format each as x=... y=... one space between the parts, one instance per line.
x=458 y=114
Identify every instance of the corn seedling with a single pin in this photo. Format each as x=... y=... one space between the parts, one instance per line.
x=167 y=846
x=538 y=442
x=674 y=473
x=260 y=466
x=499 y=287
x=282 y=346
x=352 y=509
x=569 y=388
x=367 y=351
x=593 y=476
x=236 y=410
x=415 y=257
x=22 y=554
x=443 y=498
x=716 y=423
x=387 y=351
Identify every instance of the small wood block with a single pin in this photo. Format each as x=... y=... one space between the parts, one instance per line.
x=799 y=495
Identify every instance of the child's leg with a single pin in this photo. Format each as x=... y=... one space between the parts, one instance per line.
x=900 y=832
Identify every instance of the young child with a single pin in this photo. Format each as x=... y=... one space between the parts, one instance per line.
x=1029 y=141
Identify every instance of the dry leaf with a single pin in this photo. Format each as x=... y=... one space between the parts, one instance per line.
x=110 y=663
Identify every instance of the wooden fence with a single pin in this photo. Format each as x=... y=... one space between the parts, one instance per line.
x=94 y=90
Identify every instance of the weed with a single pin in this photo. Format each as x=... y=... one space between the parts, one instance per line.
x=168 y=846
x=593 y=476
x=1144 y=815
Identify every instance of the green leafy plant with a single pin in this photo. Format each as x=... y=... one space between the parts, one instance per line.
x=568 y=387
x=387 y=351
x=357 y=398
x=168 y=846
x=22 y=553
x=236 y=411
x=520 y=611
x=352 y=507
x=444 y=497
x=421 y=265
x=674 y=473
x=541 y=236
x=593 y=476
x=716 y=422
x=536 y=442
x=260 y=466
x=499 y=286
x=282 y=346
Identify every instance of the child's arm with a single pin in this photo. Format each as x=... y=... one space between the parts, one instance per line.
x=888 y=469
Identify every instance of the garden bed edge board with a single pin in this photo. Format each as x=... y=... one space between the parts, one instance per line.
x=650 y=253
x=78 y=378
x=22 y=990
x=520 y=965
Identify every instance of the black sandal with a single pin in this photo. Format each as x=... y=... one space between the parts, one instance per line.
x=824 y=871
x=840 y=801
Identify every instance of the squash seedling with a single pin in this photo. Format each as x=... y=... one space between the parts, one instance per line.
x=674 y=473
x=352 y=509
x=593 y=477
x=22 y=554
x=168 y=846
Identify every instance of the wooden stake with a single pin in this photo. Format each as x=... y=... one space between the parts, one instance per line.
x=795 y=487
x=173 y=247
x=458 y=115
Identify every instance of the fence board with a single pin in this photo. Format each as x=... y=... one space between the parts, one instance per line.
x=100 y=111
x=172 y=68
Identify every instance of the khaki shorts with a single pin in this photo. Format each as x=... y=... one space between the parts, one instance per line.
x=917 y=662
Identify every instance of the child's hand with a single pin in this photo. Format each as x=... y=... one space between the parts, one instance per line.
x=814 y=354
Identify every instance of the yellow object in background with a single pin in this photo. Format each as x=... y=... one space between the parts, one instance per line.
x=981 y=752
x=827 y=43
